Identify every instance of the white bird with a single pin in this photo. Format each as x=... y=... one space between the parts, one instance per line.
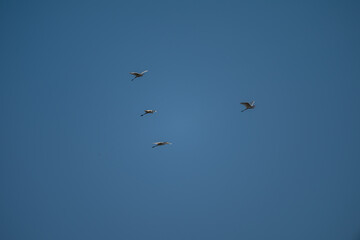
x=160 y=144
x=147 y=112
x=138 y=74
x=248 y=105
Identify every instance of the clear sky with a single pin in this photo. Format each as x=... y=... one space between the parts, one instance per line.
x=76 y=157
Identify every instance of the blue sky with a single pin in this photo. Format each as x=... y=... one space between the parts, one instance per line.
x=76 y=158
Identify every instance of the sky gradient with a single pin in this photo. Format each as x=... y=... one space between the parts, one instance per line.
x=76 y=157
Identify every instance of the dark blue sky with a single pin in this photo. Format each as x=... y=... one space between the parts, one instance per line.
x=76 y=158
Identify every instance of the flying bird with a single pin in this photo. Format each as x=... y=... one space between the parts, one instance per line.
x=138 y=74
x=248 y=105
x=147 y=112
x=160 y=144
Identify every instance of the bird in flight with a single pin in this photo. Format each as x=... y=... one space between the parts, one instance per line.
x=147 y=112
x=248 y=105
x=160 y=144
x=138 y=74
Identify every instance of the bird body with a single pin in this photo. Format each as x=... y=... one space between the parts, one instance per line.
x=138 y=74
x=148 y=112
x=160 y=144
x=248 y=105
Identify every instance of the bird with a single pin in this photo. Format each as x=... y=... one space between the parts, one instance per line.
x=138 y=74
x=160 y=144
x=147 y=112
x=248 y=105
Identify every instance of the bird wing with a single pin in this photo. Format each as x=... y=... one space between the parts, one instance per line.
x=144 y=71
x=157 y=143
x=246 y=104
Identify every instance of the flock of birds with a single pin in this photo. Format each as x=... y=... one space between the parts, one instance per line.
x=248 y=105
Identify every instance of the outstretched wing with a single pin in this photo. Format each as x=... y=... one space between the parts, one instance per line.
x=144 y=71
x=157 y=143
x=246 y=104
